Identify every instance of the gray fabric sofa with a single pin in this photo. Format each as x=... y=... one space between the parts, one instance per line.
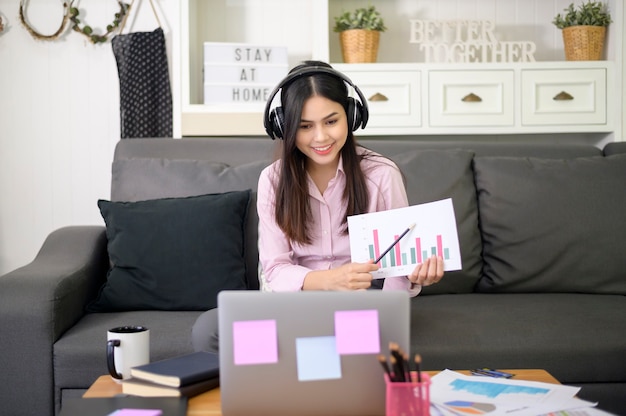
x=542 y=233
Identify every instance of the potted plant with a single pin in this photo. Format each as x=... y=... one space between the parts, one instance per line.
x=359 y=34
x=584 y=30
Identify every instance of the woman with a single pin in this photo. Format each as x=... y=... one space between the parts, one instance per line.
x=305 y=197
x=322 y=177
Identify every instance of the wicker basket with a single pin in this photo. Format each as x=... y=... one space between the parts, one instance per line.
x=359 y=45
x=584 y=43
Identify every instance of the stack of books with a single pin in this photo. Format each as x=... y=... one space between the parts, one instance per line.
x=182 y=376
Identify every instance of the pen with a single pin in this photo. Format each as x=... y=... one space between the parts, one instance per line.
x=383 y=362
x=398 y=362
x=394 y=243
x=398 y=373
x=418 y=362
x=407 y=367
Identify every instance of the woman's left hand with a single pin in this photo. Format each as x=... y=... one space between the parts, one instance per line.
x=428 y=272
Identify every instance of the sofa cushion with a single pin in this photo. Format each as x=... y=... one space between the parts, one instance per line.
x=79 y=356
x=173 y=253
x=552 y=225
x=576 y=337
x=432 y=175
x=136 y=179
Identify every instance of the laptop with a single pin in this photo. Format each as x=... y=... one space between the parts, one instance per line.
x=307 y=353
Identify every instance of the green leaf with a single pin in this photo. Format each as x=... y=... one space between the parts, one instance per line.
x=591 y=13
x=363 y=18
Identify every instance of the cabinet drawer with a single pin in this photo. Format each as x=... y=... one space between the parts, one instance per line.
x=564 y=96
x=471 y=98
x=393 y=97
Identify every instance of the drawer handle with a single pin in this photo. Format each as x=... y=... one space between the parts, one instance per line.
x=378 y=97
x=471 y=98
x=563 y=96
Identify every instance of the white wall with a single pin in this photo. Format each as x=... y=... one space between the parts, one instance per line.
x=59 y=105
x=59 y=121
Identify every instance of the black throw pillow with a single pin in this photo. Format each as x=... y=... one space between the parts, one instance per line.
x=173 y=253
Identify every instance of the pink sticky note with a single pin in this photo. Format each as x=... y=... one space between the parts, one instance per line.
x=357 y=332
x=255 y=342
x=137 y=412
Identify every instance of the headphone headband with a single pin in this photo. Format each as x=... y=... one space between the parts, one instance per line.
x=269 y=115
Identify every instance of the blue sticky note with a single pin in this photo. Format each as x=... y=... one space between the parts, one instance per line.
x=317 y=358
x=255 y=342
x=357 y=332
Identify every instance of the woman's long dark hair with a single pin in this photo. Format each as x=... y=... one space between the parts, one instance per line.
x=292 y=210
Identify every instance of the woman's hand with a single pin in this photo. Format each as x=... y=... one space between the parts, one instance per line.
x=428 y=272
x=350 y=276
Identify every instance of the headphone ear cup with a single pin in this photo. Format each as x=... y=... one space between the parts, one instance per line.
x=354 y=114
x=277 y=122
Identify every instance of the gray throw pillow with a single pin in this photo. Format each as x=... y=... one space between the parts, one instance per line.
x=433 y=175
x=553 y=225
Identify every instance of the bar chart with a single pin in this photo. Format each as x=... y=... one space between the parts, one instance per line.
x=414 y=255
x=434 y=233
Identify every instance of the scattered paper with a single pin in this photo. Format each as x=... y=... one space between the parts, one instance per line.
x=452 y=393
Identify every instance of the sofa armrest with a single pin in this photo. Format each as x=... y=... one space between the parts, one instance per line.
x=614 y=148
x=40 y=301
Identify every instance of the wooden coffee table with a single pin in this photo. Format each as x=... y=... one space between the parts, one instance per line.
x=208 y=403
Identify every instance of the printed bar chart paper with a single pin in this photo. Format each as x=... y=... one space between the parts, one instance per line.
x=434 y=233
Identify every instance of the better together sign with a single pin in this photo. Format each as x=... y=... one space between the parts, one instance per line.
x=466 y=41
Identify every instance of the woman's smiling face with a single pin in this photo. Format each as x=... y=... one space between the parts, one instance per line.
x=322 y=132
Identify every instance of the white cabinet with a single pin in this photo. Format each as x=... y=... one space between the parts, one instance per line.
x=470 y=98
x=564 y=97
x=393 y=95
x=548 y=97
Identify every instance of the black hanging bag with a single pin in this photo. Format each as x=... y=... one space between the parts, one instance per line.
x=145 y=93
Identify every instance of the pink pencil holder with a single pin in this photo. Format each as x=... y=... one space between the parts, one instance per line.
x=408 y=398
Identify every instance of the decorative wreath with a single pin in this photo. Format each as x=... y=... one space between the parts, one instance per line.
x=71 y=13
x=38 y=35
x=88 y=31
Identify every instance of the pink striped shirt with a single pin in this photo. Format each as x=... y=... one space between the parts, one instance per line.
x=285 y=264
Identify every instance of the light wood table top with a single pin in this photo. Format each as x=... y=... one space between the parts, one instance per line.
x=209 y=404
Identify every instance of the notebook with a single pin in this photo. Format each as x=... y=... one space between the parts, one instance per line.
x=307 y=353
x=105 y=406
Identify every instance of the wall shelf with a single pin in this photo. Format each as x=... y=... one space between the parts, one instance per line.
x=422 y=101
